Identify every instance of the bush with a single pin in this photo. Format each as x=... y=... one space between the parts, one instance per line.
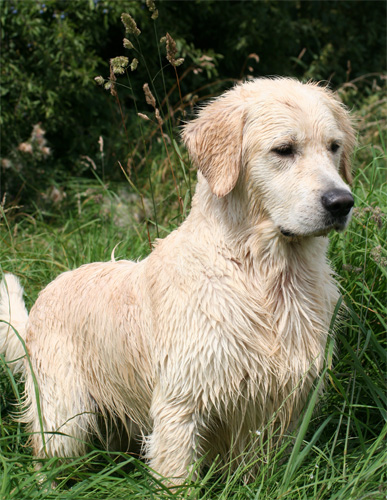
x=52 y=50
x=50 y=53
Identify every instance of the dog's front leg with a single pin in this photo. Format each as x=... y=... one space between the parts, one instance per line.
x=172 y=447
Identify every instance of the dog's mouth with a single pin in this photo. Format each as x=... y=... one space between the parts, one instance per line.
x=323 y=227
x=286 y=233
x=337 y=226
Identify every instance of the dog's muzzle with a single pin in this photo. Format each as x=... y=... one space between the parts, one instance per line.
x=337 y=205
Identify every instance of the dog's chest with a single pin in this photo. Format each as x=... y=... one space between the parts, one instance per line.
x=227 y=334
x=266 y=334
x=262 y=359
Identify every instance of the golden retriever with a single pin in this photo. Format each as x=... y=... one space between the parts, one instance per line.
x=220 y=333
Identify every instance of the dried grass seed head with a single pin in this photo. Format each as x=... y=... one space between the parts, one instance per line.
x=119 y=64
x=111 y=84
x=99 y=79
x=377 y=256
x=151 y=5
x=179 y=61
x=171 y=50
x=130 y=24
x=152 y=8
x=100 y=142
x=144 y=117
x=134 y=64
x=158 y=117
x=149 y=97
x=128 y=44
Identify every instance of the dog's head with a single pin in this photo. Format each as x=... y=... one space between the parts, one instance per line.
x=287 y=144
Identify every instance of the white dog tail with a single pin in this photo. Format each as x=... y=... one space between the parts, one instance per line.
x=13 y=321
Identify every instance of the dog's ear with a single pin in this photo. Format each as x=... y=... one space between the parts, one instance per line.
x=214 y=142
x=343 y=119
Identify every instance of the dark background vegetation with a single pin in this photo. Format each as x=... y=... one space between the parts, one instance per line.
x=52 y=50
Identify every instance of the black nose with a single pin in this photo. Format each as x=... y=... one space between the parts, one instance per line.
x=338 y=202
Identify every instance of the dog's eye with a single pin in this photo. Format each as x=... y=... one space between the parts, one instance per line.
x=334 y=147
x=285 y=150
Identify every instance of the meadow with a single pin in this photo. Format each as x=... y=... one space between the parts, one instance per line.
x=339 y=451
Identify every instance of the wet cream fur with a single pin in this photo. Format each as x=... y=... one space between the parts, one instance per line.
x=221 y=331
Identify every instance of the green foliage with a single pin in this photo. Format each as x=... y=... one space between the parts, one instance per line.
x=46 y=64
x=338 y=40
x=338 y=452
x=51 y=52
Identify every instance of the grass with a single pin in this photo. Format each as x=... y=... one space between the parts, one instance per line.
x=338 y=452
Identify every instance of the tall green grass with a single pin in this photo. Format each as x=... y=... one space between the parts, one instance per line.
x=339 y=450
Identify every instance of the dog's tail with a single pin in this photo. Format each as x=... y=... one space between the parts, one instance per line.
x=13 y=322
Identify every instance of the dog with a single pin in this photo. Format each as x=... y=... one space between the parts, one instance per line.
x=219 y=334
